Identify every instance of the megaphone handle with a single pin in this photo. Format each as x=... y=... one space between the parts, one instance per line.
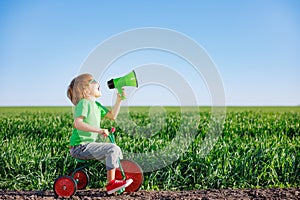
x=120 y=91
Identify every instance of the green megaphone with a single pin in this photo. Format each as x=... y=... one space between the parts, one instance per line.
x=127 y=80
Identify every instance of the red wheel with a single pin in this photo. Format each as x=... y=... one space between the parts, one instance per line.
x=64 y=186
x=134 y=171
x=82 y=179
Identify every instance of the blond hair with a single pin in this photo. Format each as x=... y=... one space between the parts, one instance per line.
x=78 y=88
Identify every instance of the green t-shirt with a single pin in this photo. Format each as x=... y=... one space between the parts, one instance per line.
x=92 y=112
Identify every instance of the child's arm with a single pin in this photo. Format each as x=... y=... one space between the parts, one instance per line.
x=81 y=125
x=115 y=110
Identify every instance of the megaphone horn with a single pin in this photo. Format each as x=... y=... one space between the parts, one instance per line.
x=127 y=80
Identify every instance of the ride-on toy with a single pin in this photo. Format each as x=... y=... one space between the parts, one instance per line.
x=78 y=179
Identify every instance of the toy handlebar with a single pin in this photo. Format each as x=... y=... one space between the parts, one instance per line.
x=111 y=135
x=113 y=129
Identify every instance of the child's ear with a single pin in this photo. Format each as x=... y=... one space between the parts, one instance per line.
x=86 y=93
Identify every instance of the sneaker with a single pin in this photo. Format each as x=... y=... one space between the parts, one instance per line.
x=116 y=185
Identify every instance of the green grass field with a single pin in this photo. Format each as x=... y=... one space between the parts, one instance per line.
x=259 y=147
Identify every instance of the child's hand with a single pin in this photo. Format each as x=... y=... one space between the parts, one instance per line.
x=103 y=132
x=120 y=96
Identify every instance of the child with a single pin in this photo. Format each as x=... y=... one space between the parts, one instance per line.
x=83 y=91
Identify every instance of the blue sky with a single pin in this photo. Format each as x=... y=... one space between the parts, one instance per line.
x=255 y=46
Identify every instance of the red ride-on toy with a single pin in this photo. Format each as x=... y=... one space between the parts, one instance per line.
x=67 y=185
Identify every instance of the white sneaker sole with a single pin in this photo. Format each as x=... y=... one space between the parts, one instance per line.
x=128 y=182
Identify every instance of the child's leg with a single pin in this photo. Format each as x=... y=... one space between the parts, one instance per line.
x=111 y=175
x=100 y=151
x=111 y=153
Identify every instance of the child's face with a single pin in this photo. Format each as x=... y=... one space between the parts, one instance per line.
x=94 y=89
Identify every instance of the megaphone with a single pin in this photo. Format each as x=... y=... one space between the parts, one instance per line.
x=127 y=80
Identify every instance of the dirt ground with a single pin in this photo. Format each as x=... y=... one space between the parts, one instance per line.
x=289 y=193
